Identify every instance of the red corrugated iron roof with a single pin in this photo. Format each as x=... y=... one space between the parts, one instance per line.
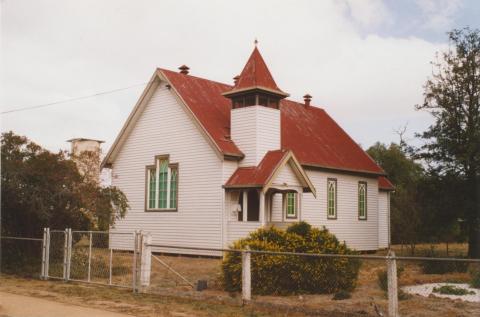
x=256 y=74
x=257 y=175
x=317 y=140
x=313 y=136
x=385 y=184
x=204 y=98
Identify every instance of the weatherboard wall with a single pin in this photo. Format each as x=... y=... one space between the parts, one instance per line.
x=166 y=128
x=358 y=234
x=383 y=219
x=255 y=130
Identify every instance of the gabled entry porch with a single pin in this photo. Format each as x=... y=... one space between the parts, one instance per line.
x=269 y=194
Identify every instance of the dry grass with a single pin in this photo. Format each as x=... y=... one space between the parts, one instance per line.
x=149 y=305
x=169 y=295
x=366 y=296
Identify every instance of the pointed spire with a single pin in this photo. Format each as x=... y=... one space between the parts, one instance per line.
x=255 y=75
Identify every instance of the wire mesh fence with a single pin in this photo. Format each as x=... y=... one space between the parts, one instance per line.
x=322 y=283
x=56 y=249
x=443 y=287
x=21 y=256
x=94 y=258
x=353 y=284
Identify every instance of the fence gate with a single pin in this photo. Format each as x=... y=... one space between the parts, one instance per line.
x=99 y=257
x=56 y=248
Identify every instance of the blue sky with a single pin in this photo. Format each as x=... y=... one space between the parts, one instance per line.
x=409 y=18
x=364 y=61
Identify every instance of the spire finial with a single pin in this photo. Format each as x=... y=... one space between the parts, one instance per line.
x=255 y=42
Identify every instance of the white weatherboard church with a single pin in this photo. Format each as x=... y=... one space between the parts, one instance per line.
x=204 y=163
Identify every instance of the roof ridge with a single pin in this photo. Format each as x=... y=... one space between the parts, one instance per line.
x=193 y=76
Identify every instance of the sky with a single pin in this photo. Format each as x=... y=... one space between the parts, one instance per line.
x=364 y=61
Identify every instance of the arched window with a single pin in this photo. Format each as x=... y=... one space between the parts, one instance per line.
x=362 y=200
x=331 y=198
x=162 y=186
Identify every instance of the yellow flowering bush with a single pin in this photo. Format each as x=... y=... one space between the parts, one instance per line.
x=291 y=274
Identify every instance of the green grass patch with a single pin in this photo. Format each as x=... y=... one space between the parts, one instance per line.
x=452 y=290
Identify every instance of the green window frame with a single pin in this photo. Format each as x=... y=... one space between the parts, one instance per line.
x=362 y=200
x=173 y=188
x=151 y=188
x=162 y=186
x=291 y=205
x=331 y=198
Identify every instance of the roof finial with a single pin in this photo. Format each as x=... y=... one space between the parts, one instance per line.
x=255 y=42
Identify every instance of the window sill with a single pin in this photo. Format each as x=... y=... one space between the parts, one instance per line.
x=331 y=218
x=362 y=219
x=162 y=210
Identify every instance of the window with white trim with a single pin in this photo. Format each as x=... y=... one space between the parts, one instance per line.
x=331 y=198
x=362 y=200
x=162 y=185
x=291 y=205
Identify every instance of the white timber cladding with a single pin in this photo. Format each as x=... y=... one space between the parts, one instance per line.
x=358 y=234
x=383 y=219
x=286 y=179
x=238 y=230
x=230 y=199
x=255 y=130
x=165 y=128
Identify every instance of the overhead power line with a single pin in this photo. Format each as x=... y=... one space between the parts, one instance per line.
x=71 y=99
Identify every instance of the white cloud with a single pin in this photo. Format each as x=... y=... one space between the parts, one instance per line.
x=438 y=14
x=369 y=13
x=54 y=50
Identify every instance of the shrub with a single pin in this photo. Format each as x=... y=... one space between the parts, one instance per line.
x=452 y=290
x=475 y=275
x=301 y=228
x=340 y=295
x=382 y=278
x=442 y=267
x=281 y=274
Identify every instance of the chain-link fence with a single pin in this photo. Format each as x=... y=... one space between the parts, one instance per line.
x=94 y=259
x=56 y=249
x=21 y=256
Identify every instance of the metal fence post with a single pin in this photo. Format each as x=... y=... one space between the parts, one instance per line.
x=110 y=267
x=146 y=260
x=392 y=285
x=47 y=253
x=246 y=275
x=44 y=253
x=134 y=266
x=69 y=253
x=89 y=256
x=65 y=254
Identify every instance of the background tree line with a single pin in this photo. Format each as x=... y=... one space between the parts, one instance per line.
x=437 y=196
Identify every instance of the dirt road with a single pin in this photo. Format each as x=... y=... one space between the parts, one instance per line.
x=12 y=305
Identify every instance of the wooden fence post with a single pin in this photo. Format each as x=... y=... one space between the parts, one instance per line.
x=392 y=285
x=246 y=275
